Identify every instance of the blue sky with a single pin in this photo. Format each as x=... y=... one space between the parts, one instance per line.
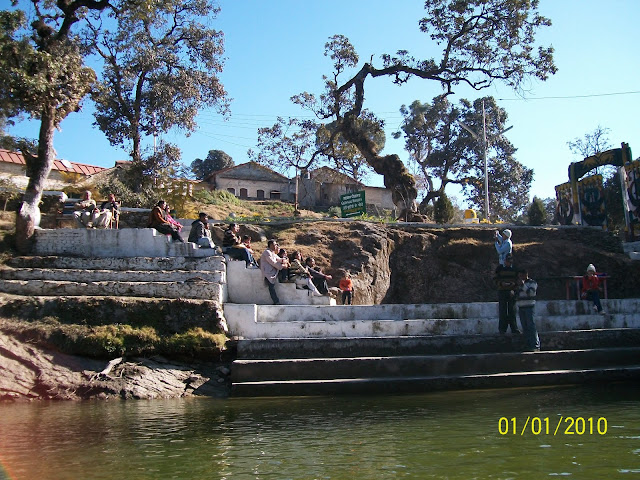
x=275 y=50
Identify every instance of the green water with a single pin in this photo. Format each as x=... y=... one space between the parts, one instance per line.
x=442 y=435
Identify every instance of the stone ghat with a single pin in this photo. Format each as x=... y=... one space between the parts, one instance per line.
x=277 y=321
x=126 y=242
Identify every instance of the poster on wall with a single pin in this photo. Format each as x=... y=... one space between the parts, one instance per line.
x=631 y=191
x=564 y=205
x=593 y=211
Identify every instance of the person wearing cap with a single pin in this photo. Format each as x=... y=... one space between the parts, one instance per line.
x=503 y=244
x=506 y=279
x=591 y=288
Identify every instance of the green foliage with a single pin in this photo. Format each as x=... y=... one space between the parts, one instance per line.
x=334 y=212
x=443 y=211
x=216 y=160
x=216 y=197
x=537 y=213
x=8 y=191
x=161 y=65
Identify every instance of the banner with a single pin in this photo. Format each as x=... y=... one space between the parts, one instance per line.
x=631 y=191
x=564 y=204
x=591 y=198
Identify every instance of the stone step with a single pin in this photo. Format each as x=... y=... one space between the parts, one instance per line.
x=432 y=365
x=211 y=263
x=284 y=321
x=126 y=242
x=430 y=345
x=418 y=327
x=195 y=289
x=395 y=385
x=71 y=275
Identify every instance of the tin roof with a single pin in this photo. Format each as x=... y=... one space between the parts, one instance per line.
x=7 y=156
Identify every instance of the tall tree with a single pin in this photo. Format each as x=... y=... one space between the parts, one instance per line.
x=42 y=75
x=216 y=160
x=482 y=41
x=445 y=153
x=161 y=66
x=289 y=143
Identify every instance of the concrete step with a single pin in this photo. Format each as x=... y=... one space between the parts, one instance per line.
x=186 y=289
x=418 y=327
x=70 y=275
x=284 y=321
x=432 y=365
x=395 y=385
x=126 y=242
x=211 y=264
x=430 y=345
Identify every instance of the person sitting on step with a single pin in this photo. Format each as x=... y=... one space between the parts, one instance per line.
x=319 y=279
x=232 y=245
x=158 y=220
x=300 y=274
x=200 y=233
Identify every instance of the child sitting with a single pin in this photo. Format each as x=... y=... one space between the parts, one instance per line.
x=591 y=288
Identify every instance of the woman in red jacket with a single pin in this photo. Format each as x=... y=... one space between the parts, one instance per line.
x=591 y=288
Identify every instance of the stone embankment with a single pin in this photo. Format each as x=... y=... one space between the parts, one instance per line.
x=169 y=294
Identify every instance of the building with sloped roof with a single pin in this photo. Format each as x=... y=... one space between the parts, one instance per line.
x=251 y=181
x=13 y=167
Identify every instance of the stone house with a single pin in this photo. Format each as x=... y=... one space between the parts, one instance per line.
x=251 y=181
x=321 y=187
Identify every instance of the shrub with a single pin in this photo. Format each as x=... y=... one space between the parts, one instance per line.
x=537 y=213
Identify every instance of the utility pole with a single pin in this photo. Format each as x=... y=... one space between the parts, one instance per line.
x=485 y=146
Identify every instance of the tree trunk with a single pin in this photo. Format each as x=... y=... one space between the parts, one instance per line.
x=38 y=168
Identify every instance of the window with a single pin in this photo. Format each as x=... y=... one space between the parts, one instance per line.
x=231 y=190
x=243 y=193
x=274 y=195
x=260 y=194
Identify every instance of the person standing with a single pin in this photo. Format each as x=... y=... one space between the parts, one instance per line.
x=270 y=265
x=526 y=301
x=503 y=243
x=505 y=280
x=346 y=285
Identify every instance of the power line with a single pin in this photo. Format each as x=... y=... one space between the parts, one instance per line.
x=571 y=96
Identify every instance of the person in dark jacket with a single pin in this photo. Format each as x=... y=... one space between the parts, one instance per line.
x=505 y=280
x=200 y=233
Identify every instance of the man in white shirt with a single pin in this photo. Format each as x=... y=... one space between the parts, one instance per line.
x=270 y=265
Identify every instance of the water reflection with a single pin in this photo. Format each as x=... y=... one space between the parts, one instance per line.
x=440 y=435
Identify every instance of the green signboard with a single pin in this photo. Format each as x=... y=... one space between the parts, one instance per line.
x=352 y=204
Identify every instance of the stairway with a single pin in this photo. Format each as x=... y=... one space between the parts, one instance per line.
x=575 y=349
x=163 y=277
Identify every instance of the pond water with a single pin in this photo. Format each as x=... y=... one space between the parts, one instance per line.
x=456 y=435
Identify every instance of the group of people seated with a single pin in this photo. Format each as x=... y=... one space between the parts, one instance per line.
x=88 y=215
